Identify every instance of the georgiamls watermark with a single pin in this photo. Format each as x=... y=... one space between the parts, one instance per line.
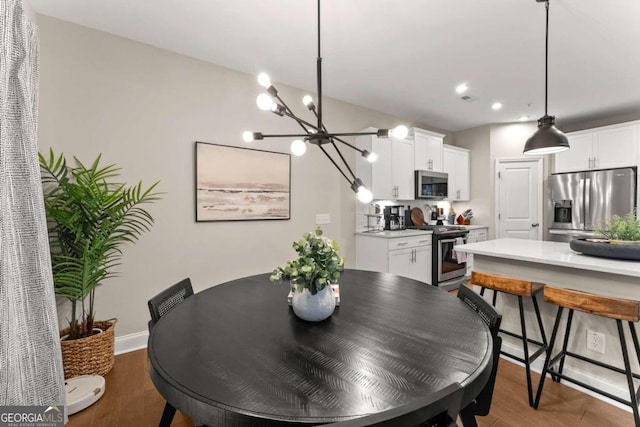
x=31 y=416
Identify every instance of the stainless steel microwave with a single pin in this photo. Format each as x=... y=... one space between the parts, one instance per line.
x=431 y=185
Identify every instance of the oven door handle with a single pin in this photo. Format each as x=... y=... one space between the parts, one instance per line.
x=464 y=239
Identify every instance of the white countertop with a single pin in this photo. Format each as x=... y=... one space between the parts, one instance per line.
x=473 y=227
x=394 y=234
x=552 y=253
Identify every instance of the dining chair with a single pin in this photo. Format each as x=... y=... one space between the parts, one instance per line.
x=482 y=403
x=160 y=305
x=437 y=410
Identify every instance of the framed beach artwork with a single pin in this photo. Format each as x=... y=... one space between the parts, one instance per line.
x=239 y=184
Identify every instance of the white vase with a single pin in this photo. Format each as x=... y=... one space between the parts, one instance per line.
x=313 y=308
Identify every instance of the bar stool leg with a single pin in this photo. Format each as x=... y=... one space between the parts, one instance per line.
x=629 y=374
x=543 y=375
x=539 y=318
x=636 y=346
x=564 y=348
x=525 y=347
x=495 y=295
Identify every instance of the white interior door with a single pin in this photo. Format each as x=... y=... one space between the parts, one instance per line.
x=519 y=198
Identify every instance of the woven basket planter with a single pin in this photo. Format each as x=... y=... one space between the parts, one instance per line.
x=93 y=355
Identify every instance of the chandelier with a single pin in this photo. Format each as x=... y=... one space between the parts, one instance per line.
x=316 y=133
x=548 y=138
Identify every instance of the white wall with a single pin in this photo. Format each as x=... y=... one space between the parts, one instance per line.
x=143 y=108
x=26 y=5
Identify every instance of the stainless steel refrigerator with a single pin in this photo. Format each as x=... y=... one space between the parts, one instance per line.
x=580 y=202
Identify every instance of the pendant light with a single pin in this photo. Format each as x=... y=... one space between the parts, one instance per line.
x=547 y=139
x=316 y=133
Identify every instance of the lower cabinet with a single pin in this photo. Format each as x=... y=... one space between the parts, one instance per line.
x=475 y=235
x=405 y=256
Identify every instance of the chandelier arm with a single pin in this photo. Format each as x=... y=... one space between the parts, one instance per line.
x=284 y=104
x=347 y=144
x=335 y=164
x=343 y=159
x=300 y=121
x=288 y=135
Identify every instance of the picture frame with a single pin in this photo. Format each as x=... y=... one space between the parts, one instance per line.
x=241 y=184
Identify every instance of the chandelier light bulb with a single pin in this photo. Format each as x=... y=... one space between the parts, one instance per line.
x=371 y=157
x=307 y=100
x=264 y=102
x=298 y=147
x=400 y=132
x=364 y=195
x=247 y=136
x=264 y=80
x=462 y=88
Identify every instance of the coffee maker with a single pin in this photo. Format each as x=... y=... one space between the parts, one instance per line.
x=394 y=217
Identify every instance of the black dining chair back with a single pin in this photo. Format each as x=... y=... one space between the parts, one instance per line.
x=438 y=410
x=162 y=303
x=482 y=403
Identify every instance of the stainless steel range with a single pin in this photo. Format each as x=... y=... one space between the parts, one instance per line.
x=446 y=270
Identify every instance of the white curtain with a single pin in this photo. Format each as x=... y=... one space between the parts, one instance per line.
x=30 y=359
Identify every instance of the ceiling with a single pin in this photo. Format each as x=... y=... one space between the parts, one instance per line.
x=405 y=57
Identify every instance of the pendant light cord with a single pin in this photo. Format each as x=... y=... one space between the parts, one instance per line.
x=546 y=59
x=319 y=75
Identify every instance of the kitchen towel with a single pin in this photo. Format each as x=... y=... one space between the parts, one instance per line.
x=460 y=256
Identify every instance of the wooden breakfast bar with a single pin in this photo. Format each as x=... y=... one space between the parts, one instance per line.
x=555 y=264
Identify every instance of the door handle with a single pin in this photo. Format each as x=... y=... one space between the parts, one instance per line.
x=535 y=224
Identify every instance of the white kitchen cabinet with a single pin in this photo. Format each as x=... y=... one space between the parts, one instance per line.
x=405 y=256
x=475 y=235
x=427 y=152
x=457 y=163
x=391 y=176
x=600 y=148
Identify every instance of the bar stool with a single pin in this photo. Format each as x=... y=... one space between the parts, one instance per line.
x=519 y=288
x=609 y=307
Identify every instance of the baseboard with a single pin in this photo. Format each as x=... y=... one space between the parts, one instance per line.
x=131 y=342
x=587 y=378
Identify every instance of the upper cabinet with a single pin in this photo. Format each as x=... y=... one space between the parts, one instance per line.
x=457 y=163
x=601 y=148
x=427 y=150
x=391 y=176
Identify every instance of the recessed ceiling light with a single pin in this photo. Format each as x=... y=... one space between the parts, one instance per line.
x=462 y=88
x=523 y=118
x=496 y=105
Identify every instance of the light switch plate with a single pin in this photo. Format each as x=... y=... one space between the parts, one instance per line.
x=323 y=218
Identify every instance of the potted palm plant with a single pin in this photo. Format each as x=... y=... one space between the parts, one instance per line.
x=90 y=217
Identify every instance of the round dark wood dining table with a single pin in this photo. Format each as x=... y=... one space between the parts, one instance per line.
x=236 y=355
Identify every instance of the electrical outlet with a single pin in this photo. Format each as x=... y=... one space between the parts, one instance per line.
x=595 y=341
x=323 y=218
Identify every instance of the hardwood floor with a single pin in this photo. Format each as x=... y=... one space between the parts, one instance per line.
x=130 y=399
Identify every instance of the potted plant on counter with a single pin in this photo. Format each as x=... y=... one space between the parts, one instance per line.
x=90 y=217
x=622 y=230
x=317 y=267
